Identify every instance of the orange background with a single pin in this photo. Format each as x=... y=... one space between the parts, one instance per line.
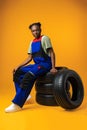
x=64 y=21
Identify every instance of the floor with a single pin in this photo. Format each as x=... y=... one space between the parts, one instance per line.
x=35 y=116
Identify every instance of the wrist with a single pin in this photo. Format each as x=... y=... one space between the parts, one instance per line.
x=53 y=67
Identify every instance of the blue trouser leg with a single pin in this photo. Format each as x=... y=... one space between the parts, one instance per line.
x=22 y=94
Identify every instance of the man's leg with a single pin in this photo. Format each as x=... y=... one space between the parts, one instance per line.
x=21 y=93
x=27 y=83
x=24 y=89
x=24 y=83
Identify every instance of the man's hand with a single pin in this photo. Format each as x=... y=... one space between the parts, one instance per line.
x=53 y=70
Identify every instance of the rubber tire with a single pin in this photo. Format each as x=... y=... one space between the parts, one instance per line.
x=47 y=100
x=44 y=84
x=44 y=88
x=60 y=92
x=48 y=77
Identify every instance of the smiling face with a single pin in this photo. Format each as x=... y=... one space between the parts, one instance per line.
x=36 y=31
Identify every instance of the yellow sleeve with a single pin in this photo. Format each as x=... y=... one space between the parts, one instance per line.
x=29 y=49
x=46 y=43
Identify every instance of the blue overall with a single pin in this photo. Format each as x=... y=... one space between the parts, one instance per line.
x=42 y=65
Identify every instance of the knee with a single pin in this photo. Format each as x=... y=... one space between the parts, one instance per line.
x=28 y=78
x=17 y=75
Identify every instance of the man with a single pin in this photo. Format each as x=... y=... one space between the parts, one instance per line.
x=41 y=52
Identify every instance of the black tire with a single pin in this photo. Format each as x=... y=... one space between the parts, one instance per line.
x=47 y=88
x=48 y=77
x=63 y=97
x=44 y=88
x=44 y=84
x=47 y=100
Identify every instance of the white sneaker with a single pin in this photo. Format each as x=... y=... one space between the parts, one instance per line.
x=13 y=108
x=28 y=98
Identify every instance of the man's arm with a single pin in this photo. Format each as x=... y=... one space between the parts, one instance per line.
x=25 y=62
x=52 y=55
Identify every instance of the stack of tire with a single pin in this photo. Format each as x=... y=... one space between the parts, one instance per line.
x=64 y=88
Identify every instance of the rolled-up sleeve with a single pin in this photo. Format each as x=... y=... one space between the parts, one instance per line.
x=46 y=42
x=29 y=49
